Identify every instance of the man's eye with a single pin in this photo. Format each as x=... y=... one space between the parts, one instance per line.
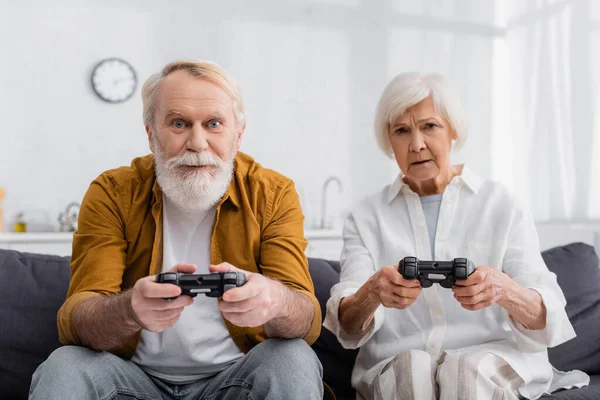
x=178 y=124
x=214 y=124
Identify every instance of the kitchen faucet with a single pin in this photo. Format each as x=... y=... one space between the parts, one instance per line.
x=328 y=181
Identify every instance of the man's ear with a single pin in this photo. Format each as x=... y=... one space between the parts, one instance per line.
x=150 y=137
x=239 y=136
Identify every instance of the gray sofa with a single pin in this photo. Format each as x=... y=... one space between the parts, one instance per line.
x=33 y=286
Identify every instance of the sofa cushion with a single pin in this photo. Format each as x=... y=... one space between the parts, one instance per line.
x=576 y=268
x=324 y=275
x=33 y=288
x=337 y=362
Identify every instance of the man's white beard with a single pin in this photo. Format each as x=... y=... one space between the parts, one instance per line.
x=193 y=191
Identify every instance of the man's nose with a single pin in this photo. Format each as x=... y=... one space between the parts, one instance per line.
x=197 y=139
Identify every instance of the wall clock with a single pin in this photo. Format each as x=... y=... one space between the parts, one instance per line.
x=114 y=80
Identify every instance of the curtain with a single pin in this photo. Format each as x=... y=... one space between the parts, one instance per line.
x=545 y=133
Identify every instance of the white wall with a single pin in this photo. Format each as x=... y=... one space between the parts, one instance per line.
x=56 y=136
x=556 y=235
x=311 y=73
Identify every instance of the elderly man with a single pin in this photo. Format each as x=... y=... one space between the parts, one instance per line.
x=197 y=205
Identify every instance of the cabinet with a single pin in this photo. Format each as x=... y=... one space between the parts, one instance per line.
x=57 y=243
x=321 y=243
x=324 y=244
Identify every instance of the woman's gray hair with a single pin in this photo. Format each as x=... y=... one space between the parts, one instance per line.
x=408 y=89
x=202 y=69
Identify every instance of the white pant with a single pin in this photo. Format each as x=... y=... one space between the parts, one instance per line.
x=416 y=375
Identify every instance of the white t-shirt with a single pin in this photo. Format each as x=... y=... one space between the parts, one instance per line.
x=431 y=208
x=479 y=220
x=199 y=345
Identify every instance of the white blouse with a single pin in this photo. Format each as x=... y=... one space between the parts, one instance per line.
x=478 y=219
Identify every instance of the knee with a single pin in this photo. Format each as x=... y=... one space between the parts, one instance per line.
x=287 y=365
x=459 y=367
x=413 y=360
x=289 y=355
x=64 y=361
x=284 y=368
x=463 y=363
x=64 y=368
x=411 y=357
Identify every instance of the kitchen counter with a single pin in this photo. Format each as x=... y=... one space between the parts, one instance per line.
x=35 y=237
x=23 y=237
x=325 y=243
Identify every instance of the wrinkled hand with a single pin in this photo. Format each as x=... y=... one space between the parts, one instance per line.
x=255 y=303
x=393 y=290
x=149 y=307
x=484 y=287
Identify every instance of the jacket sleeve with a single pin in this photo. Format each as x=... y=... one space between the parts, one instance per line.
x=98 y=256
x=525 y=265
x=282 y=249
x=357 y=266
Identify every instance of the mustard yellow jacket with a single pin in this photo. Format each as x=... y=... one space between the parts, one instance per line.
x=258 y=227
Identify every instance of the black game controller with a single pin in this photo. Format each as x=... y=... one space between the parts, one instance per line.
x=446 y=273
x=212 y=285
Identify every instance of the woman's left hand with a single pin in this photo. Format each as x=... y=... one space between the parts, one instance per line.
x=484 y=287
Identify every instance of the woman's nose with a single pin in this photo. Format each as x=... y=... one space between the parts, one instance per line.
x=417 y=143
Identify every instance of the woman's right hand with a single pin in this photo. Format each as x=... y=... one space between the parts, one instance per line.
x=392 y=289
x=387 y=287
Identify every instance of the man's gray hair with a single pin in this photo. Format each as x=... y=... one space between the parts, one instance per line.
x=408 y=89
x=202 y=69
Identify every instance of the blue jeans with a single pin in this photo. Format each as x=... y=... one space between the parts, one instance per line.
x=274 y=369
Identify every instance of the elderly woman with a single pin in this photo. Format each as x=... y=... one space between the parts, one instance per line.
x=485 y=337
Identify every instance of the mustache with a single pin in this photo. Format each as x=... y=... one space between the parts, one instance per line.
x=194 y=159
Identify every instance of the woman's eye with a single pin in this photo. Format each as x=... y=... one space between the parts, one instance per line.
x=401 y=130
x=430 y=125
x=178 y=124
x=214 y=124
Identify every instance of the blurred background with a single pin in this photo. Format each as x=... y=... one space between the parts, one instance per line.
x=311 y=72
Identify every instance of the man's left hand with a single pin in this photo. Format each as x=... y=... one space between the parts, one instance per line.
x=255 y=303
x=484 y=287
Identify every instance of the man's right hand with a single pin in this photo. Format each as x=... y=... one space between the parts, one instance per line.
x=149 y=307
x=392 y=289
